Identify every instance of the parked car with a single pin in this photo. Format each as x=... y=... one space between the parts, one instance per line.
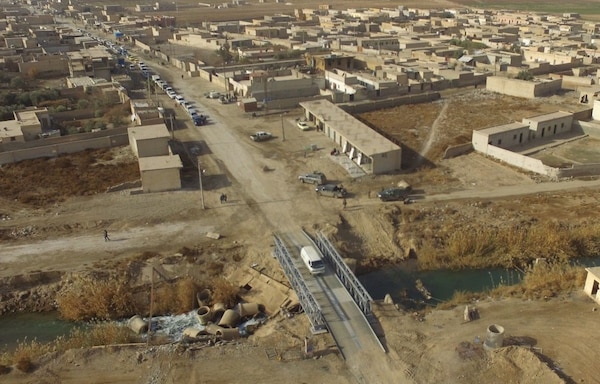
x=199 y=120
x=303 y=125
x=261 y=136
x=315 y=177
x=171 y=93
x=179 y=99
x=393 y=194
x=331 y=190
x=213 y=95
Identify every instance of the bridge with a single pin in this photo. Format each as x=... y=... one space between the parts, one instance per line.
x=335 y=302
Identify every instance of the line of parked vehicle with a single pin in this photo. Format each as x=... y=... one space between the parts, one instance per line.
x=197 y=117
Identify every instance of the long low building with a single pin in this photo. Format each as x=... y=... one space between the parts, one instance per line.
x=373 y=152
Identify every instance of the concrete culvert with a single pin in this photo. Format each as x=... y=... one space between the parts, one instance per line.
x=230 y=319
x=248 y=309
x=218 y=309
x=191 y=332
x=495 y=337
x=203 y=297
x=137 y=324
x=228 y=333
x=204 y=315
x=212 y=329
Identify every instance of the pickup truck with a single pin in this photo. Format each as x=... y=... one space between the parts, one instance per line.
x=261 y=136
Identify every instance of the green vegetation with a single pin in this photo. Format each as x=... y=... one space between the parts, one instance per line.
x=524 y=75
x=467 y=44
x=11 y=100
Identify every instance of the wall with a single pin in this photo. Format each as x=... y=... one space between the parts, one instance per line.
x=521 y=161
x=158 y=146
x=522 y=88
x=160 y=180
x=46 y=65
x=54 y=150
x=388 y=162
x=592 y=129
x=372 y=105
x=457 y=150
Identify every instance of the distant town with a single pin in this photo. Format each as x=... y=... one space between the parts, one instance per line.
x=353 y=59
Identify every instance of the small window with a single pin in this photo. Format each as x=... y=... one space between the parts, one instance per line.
x=562 y=125
x=515 y=137
x=499 y=141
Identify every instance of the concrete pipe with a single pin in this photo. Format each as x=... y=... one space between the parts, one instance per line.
x=228 y=333
x=229 y=319
x=191 y=333
x=212 y=329
x=137 y=324
x=495 y=337
x=218 y=309
x=204 y=315
x=203 y=297
x=248 y=309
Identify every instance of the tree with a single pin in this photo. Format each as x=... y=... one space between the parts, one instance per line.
x=524 y=75
x=18 y=82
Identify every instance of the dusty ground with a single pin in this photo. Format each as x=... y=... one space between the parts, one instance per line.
x=67 y=237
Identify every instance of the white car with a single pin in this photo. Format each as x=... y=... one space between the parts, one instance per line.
x=303 y=125
x=171 y=94
x=179 y=99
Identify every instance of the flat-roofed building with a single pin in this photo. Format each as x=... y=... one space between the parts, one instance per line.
x=373 y=152
x=149 y=140
x=160 y=173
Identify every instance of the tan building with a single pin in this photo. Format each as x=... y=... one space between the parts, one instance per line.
x=149 y=140
x=592 y=283
x=370 y=150
x=10 y=131
x=160 y=173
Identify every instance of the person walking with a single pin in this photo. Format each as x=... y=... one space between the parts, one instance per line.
x=223 y=198
x=344 y=202
x=106 y=238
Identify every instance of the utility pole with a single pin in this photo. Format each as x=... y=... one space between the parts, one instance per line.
x=200 y=172
x=172 y=127
x=151 y=306
x=282 y=129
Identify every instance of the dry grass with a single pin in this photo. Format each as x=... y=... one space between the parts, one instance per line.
x=479 y=246
x=542 y=281
x=224 y=292
x=40 y=182
x=99 y=334
x=87 y=298
x=176 y=298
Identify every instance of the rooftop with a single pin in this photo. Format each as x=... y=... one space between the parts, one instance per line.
x=146 y=132
x=358 y=134
x=502 y=128
x=154 y=163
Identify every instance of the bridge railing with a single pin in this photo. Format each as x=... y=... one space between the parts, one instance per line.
x=307 y=300
x=348 y=279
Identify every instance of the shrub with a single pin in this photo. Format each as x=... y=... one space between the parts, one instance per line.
x=86 y=299
x=224 y=292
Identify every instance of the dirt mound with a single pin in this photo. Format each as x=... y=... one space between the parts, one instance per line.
x=521 y=364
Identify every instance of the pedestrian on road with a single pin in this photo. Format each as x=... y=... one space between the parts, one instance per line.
x=106 y=238
x=223 y=198
x=344 y=203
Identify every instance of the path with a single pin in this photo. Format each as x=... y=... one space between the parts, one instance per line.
x=432 y=136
